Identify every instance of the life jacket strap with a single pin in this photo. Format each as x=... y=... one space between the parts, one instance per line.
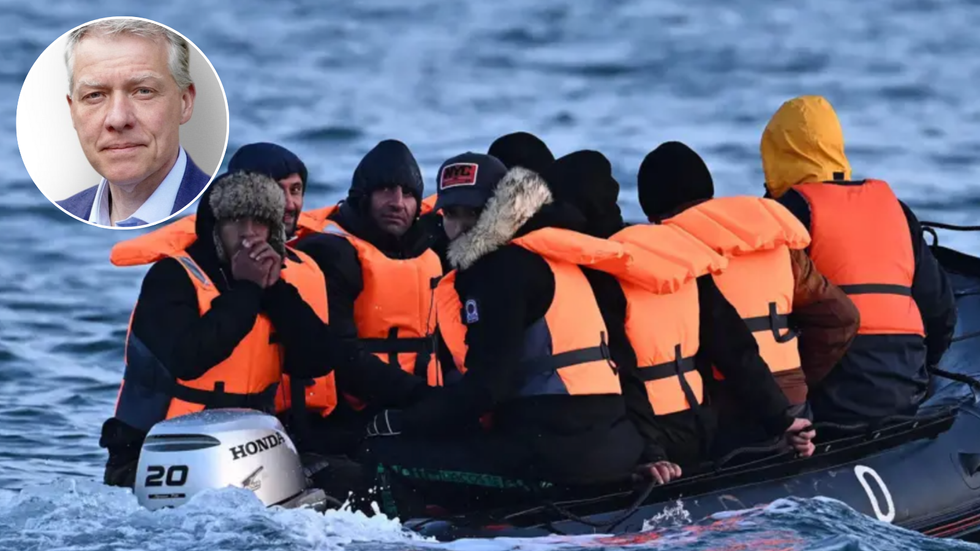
x=774 y=322
x=558 y=361
x=420 y=345
x=677 y=368
x=210 y=399
x=877 y=289
x=673 y=368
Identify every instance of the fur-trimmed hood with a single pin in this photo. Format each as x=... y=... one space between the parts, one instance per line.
x=517 y=198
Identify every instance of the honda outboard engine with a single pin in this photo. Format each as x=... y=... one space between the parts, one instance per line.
x=218 y=448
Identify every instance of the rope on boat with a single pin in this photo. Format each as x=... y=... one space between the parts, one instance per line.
x=781 y=446
x=958 y=377
x=854 y=428
x=952 y=227
x=603 y=525
x=930 y=228
x=966 y=336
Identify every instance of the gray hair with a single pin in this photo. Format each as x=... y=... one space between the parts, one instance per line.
x=178 y=57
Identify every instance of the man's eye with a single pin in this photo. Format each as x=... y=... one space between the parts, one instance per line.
x=93 y=95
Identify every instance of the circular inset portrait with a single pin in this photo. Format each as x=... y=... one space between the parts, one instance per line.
x=122 y=122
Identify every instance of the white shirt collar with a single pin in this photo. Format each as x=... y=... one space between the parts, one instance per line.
x=156 y=207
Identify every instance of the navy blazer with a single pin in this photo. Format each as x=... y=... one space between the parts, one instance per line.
x=193 y=182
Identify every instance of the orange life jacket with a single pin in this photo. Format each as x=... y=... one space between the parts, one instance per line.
x=663 y=313
x=452 y=331
x=249 y=377
x=756 y=236
x=395 y=312
x=319 y=394
x=861 y=242
x=179 y=234
x=566 y=350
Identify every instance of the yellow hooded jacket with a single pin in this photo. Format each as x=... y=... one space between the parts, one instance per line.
x=803 y=143
x=860 y=235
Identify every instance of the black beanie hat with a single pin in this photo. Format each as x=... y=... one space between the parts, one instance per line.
x=269 y=159
x=390 y=163
x=522 y=149
x=584 y=180
x=671 y=176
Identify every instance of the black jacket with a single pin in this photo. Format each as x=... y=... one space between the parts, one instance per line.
x=884 y=375
x=167 y=321
x=573 y=438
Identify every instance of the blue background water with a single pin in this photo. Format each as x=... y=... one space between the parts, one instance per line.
x=330 y=80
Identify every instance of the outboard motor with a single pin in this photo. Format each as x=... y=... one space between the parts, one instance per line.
x=218 y=448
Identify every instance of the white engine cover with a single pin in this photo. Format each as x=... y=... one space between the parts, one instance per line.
x=216 y=449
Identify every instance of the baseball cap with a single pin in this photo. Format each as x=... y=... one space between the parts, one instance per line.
x=468 y=180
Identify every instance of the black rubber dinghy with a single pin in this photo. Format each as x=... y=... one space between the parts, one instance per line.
x=921 y=473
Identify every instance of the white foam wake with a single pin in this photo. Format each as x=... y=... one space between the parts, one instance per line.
x=78 y=515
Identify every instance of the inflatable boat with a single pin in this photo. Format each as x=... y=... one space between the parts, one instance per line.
x=921 y=473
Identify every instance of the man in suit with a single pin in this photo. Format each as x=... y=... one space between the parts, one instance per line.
x=129 y=91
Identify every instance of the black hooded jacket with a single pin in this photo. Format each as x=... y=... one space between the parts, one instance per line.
x=388 y=164
x=575 y=438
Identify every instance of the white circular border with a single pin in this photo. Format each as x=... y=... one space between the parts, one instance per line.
x=227 y=127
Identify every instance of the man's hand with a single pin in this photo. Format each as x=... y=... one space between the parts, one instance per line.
x=274 y=266
x=244 y=268
x=661 y=471
x=263 y=253
x=386 y=423
x=260 y=251
x=801 y=439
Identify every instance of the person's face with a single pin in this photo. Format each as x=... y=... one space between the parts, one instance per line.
x=234 y=232
x=393 y=210
x=292 y=185
x=126 y=107
x=457 y=220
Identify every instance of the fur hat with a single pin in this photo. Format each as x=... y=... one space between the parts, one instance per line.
x=249 y=195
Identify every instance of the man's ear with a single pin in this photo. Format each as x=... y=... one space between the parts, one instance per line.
x=187 y=103
x=70 y=113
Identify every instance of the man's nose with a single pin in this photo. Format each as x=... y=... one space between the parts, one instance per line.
x=121 y=114
x=250 y=227
x=397 y=197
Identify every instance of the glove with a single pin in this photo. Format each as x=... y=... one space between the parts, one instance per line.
x=386 y=423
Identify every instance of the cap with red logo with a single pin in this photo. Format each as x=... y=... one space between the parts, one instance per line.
x=468 y=180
